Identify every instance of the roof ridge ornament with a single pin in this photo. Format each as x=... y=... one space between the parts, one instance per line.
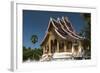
x=67 y=19
x=58 y=19
x=51 y=19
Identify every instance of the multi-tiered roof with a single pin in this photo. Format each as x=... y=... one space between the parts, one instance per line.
x=63 y=27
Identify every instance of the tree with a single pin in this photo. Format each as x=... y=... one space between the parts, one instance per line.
x=86 y=32
x=37 y=53
x=34 y=39
x=26 y=53
x=32 y=54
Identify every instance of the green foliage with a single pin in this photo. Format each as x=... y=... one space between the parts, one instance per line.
x=32 y=54
x=34 y=39
x=86 y=32
x=37 y=54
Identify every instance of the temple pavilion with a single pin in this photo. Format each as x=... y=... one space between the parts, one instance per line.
x=61 y=40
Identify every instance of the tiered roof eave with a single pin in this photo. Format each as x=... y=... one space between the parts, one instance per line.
x=62 y=29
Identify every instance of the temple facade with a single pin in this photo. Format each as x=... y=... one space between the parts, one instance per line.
x=61 y=40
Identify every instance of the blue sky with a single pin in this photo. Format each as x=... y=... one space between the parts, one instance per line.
x=36 y=22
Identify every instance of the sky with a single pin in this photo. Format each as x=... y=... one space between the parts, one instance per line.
x=36 y=22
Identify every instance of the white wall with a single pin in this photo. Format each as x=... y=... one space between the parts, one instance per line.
x=5 y=36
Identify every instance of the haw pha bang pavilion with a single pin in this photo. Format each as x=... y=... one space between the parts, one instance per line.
x=61 y=41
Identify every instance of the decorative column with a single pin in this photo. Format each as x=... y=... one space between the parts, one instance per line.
x=65 y=48
x=73 y=54
x=80 y=48
x=49 y=45
x=43 y=50
x=72 y=48
x=57 y=46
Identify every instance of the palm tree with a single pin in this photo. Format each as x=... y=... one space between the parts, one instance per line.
x=34 y=39
x=36 y=52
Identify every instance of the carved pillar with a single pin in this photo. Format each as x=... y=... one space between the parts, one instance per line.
x=49 y=45
x=43 y=50
x=73 y=54
x=80 y=48
x=57 y=46
x=65 y=47
x=72 y=48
